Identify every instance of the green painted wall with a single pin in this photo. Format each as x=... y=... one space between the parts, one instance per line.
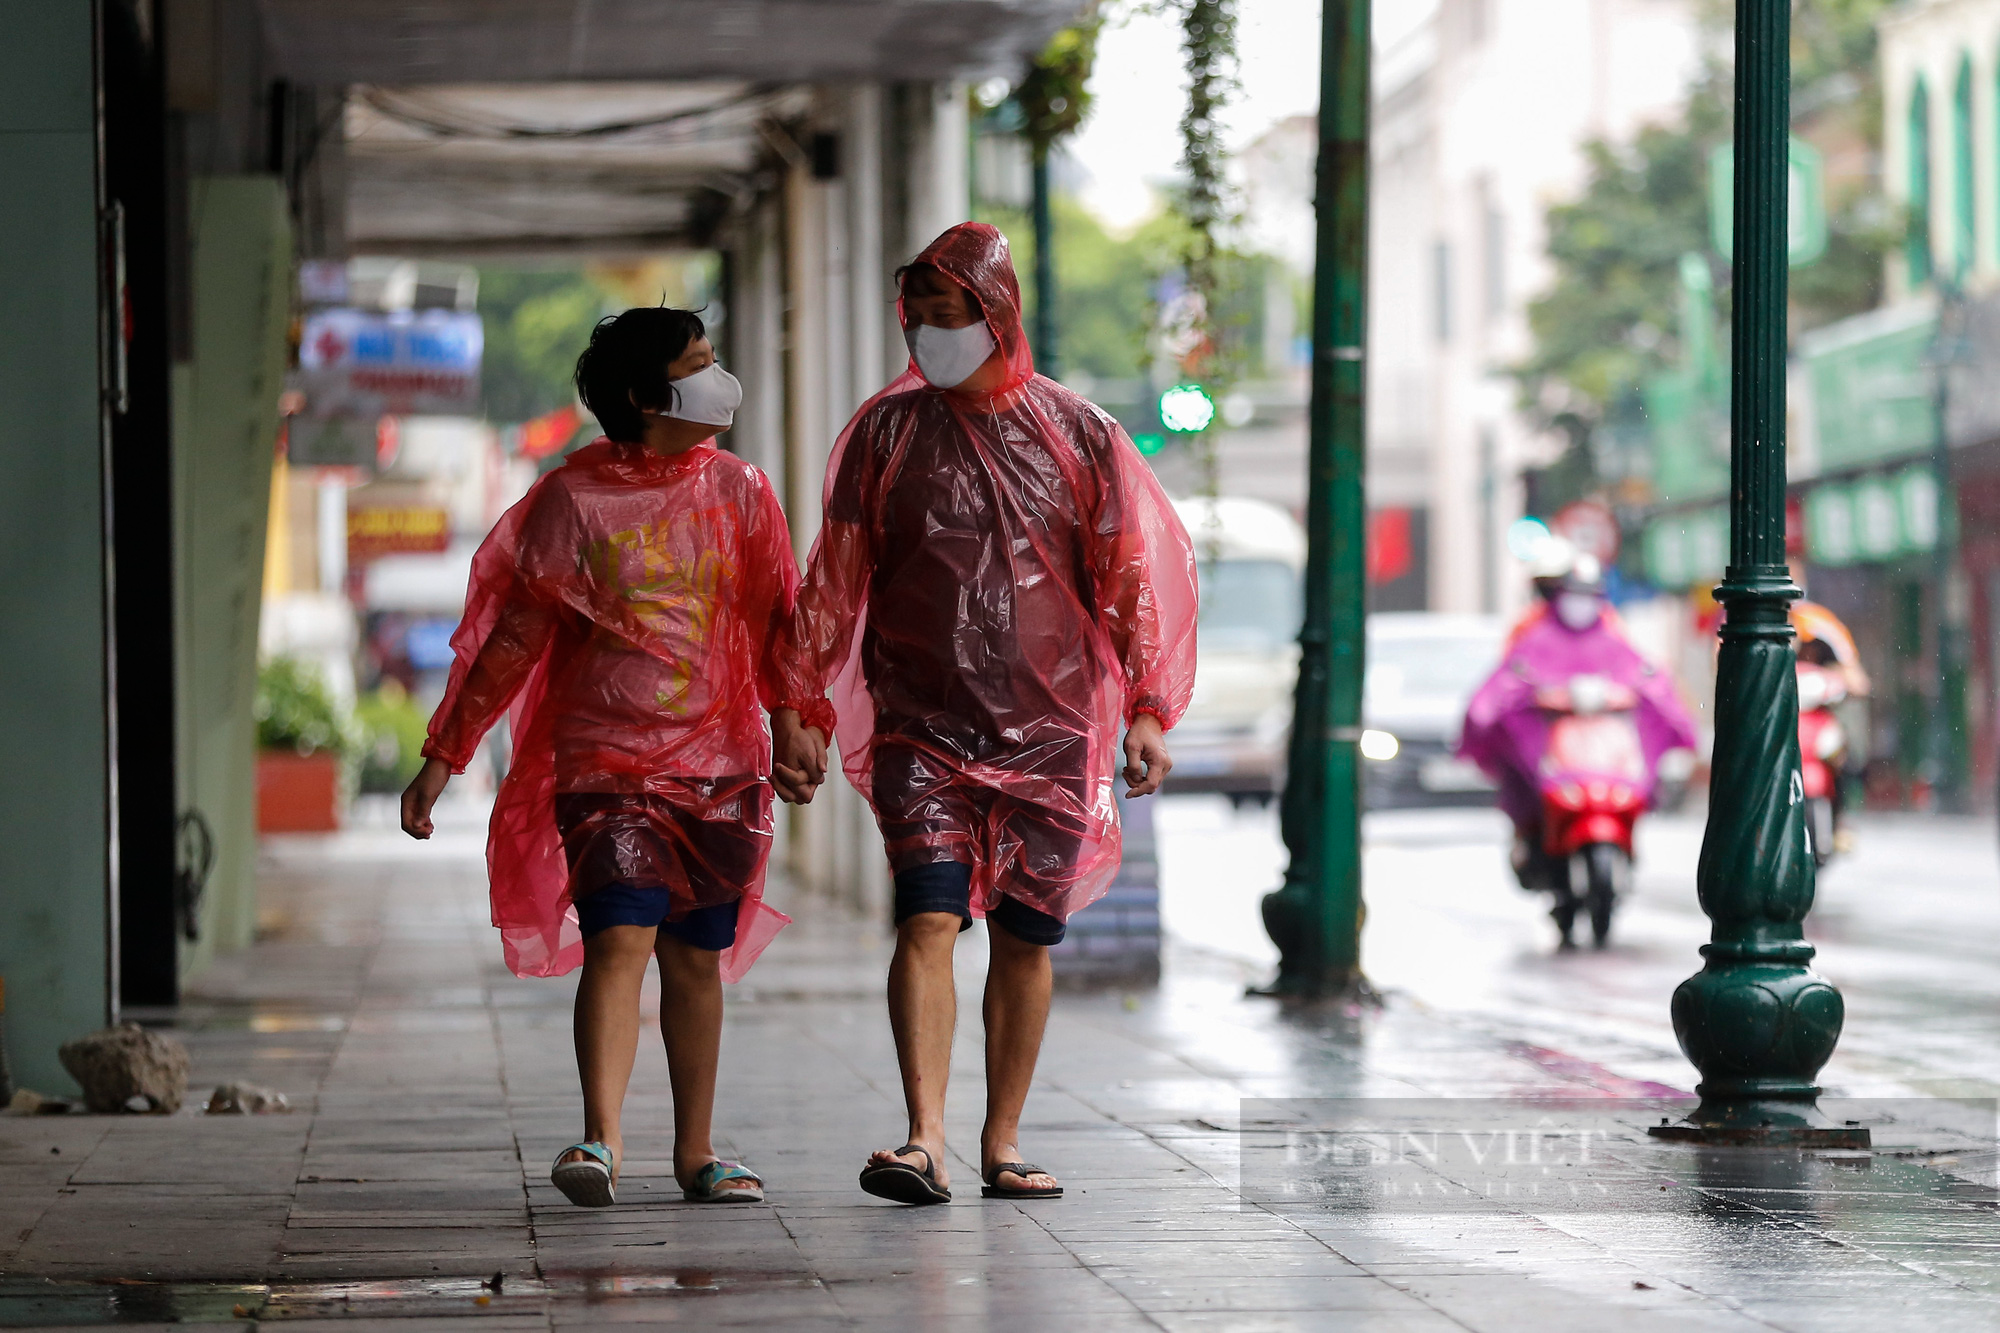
x=225 y=429
x=54 y=926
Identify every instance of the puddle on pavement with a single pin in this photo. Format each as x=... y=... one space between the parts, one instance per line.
x=26 y=1304
x=222 y=1016
x=297 y=1022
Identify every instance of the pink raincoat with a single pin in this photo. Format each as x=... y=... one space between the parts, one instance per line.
x=1506 y=732
x=1021 y=588
x=626 y=607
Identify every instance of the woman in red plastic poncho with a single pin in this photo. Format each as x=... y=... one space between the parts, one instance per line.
x=626 y=609
x=1021 y=589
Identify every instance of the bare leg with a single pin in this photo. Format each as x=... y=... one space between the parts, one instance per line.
x=691 y=1028
x=923 y=1013
x=607 y=1028
x=1016 y=1010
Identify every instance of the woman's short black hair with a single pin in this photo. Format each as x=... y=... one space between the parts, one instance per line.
x=625 y=366
x=930 y=280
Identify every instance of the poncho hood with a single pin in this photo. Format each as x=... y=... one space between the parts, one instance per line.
x=976 y=256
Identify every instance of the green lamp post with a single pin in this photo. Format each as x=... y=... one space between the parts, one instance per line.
x=1315 y=918
x=1756 y=1020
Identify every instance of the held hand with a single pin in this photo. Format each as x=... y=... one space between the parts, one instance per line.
x=1146 y=761
x=421 y=795
x=798 y=757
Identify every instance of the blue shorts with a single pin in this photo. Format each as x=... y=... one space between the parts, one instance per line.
x=712 y=928
x=946 y=886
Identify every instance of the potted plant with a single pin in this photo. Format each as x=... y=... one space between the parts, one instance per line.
x=304 y=741
x=393 y=732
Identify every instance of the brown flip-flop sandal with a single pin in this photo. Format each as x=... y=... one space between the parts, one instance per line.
x=995 y=1190
x=903 y=1183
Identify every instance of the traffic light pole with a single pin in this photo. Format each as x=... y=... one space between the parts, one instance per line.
x=1315 y=918
x=1046 y=360
x=1756 y=1020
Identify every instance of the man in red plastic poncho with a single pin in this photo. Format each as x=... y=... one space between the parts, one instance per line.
x=1022 y=590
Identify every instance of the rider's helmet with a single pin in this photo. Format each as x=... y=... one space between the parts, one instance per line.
x=1570 y=581
x=1554 y=560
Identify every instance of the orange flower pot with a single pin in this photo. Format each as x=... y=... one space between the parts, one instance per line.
x=298 y=793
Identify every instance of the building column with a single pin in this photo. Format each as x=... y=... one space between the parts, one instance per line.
x=225 y=438
x=940 y=193
x=58 y=947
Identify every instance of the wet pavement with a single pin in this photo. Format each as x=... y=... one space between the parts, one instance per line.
x=1471 y=1156
x=1908 y=926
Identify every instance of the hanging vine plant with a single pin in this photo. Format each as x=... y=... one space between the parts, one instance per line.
x=1208 y=49
x=1208 y=45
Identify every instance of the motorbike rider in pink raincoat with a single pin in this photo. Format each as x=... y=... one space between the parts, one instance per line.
x=1569 y=655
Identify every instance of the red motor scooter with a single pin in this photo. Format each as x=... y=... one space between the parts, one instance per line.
x=1822 y=751
x=1595 y=781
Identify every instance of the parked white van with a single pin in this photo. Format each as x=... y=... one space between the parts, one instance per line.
x=1251 y=556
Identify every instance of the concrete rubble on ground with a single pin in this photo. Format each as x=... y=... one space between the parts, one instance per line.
x=128 y=1068
x=246 y=1099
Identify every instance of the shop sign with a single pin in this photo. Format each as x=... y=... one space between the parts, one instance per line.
x=378 y=531
x=1876 y=518
x=1685 y=549
x=359 y=364
x=1871 y=386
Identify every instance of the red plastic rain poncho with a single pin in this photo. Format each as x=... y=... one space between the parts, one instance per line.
x=1022 y=588
x=626 y=606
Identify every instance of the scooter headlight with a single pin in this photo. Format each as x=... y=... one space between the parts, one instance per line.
x=1381 y=746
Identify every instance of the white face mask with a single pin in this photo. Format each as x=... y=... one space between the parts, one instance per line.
x=947 y=357
x=1578 y=610
x=709 y=397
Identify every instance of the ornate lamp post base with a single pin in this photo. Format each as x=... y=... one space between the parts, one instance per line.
x=1757 y=1021
x=1759 y=1024
x=1759 y=1125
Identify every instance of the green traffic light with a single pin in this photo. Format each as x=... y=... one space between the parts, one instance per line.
x=1186 y=409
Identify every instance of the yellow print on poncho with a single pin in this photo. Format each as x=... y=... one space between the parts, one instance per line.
x=668 y=577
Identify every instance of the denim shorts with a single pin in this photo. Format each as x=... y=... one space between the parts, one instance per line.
x=946 y=886
x=712 y=928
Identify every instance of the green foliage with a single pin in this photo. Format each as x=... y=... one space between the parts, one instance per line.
x=1054 y=97
x=295 y=711
x=1105 y=287
x=1833 y=40
x=393 y=730
x=1107 y=284
x=537 y=322
x=1611 y=318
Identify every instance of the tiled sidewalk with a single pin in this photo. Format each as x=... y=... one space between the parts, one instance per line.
x=434 y=1089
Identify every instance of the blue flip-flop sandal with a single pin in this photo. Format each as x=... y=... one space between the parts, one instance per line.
x=708 y=1183
x=587 y=1182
